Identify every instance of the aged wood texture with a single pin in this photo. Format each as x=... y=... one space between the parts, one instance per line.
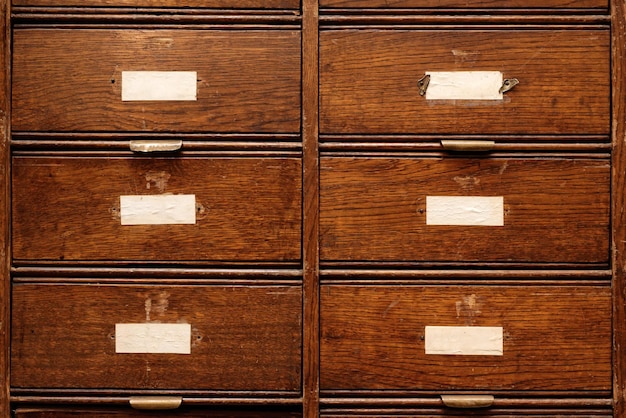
x=248 y=209
x=460 y=4
x=236 y=4
x=70 y=80
x=245 y=338
x=555 y=338
x=374 y=209
x=369 y=81
x=125 y=413
x=5 y=205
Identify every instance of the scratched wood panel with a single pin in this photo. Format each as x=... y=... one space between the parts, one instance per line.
x=238 y=4
x=80 y=412
x=554 y=338
x=70 y=80
x=555 y=210
x=481 y=4
x=247 y=209
x=369 y=81
x=244 y=338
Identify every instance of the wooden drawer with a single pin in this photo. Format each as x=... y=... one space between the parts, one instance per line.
x=480 y=412
x=369 y=81
x=237 y=4
x=242 y=338
x=480 y=4
x=381 y=337
x=78 y=412
x=72 y=208
x=552 y=210
x=75 y=80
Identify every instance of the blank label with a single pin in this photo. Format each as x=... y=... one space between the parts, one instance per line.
x=464 y=85
x=153 y=338
x=158 y=209
x=465 y=210
x=159 y=85
x=467 y=341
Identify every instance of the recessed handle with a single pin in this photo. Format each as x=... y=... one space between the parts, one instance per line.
x=467 y=401
x=165 y=145
x=469 y=145
x=155 y=402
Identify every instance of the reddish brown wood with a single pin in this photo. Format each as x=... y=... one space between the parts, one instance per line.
x=368 y=81
x=460 y=4
x=555 y=210
x=555 y=338
x=236 y=4
x=78 y=412
x=70 y=80
x=245 y=338
x=249 y=209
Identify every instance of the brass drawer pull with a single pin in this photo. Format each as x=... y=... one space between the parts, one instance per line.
x=508 y=84
x=461 y=145
x=155 y=402
x=467 y=401
x=156 y=146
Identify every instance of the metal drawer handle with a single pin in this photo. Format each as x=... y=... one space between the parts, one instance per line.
x=467 y=401
x=156 y=146
x=461 y=145
x=155 y=402
x=508 y=84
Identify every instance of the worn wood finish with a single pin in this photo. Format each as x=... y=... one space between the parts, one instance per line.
x=555 y=338
x=248 y=209
x=246 y=338
x=368 y=81
x=490 y=412
x=374 y=209
x=126 y=413
x=218 y=4
x=70 y=80
x=602 y=5
x=5 y=211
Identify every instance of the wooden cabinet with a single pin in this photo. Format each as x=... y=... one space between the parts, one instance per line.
x=332 y=208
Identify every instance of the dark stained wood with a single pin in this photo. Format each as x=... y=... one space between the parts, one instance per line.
x=618 y=13
x=310 y=237
x=249 y=209
x=368 y=81
x=555 y=338
x=124 y=413
x=245 y=338
x=460 y=4
x=70 y=80
x=488 y=412
x=238 y=4
x=374 y=209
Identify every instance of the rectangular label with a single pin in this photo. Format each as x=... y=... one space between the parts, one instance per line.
x=153 y=338
x=158 y=209
x=465 y=210
x=464 y=85
x=159 y=85
x=465 y=341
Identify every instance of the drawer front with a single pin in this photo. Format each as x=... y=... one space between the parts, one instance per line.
x=79 y=412
x=77 y=208
x=369 y=81
x=479 y=4
x=386 y=337
x=139 y=80
x=239 y=4
x=536 y=210
x=244 y=338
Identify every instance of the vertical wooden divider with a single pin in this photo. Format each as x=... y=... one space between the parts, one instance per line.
x=618 y=221
x=5 y=252
x=310 y=88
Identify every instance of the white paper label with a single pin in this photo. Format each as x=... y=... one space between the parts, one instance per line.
x=464 y=85
x=153 y=338
x=465 y=210
x=466 y=341
x=159 y=85
x=158 y=209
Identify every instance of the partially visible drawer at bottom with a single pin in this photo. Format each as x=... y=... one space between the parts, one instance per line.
x=195 y=337
x=77 y=412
